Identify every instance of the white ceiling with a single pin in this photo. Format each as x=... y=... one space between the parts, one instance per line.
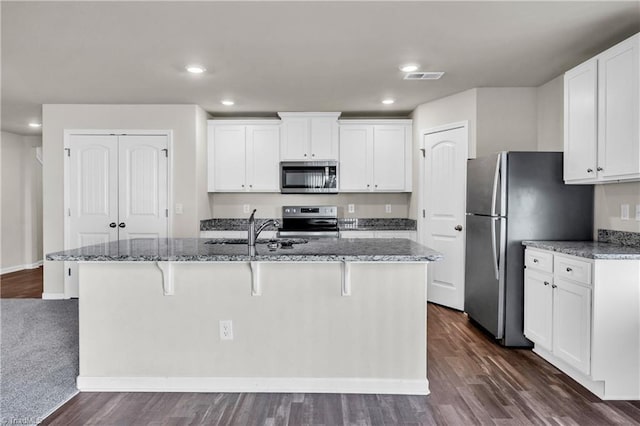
x=289 y=56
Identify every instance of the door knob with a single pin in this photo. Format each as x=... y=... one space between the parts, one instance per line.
x=589 y=170
x=122 y=225
x=458 y=228
x=599 y=169
x=112 y=225
x=554 y=286
x=546 y=283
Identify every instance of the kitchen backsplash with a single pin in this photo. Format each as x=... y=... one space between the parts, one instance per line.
x=619 y=237
x=268 y=205
x=378 y=224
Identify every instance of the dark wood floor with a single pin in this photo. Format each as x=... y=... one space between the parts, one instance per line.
x=22 y=284
x=473 y=382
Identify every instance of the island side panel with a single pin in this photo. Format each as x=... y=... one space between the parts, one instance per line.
x=300 y=327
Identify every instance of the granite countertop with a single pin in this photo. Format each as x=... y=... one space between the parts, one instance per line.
x=195 y=250
x=588 y=249
x=345 y=224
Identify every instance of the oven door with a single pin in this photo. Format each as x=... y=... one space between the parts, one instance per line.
x=308 y=177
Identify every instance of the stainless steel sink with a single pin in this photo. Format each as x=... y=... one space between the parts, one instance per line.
x=283 y=241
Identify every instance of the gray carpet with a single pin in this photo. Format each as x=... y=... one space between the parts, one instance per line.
x=38 y=357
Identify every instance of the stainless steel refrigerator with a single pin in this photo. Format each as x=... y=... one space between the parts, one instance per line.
x=512 y=197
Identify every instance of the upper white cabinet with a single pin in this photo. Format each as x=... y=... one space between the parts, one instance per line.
x=309 y=136
x=243 y=156
x=602 y=116
x=375 y=155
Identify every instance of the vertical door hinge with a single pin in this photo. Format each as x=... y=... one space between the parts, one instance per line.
x=68 y=152
x=69 y=212
x=166 y=152
x=424 y=213
x=166 y=212
x=424 y=151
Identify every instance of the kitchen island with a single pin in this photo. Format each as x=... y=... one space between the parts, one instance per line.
x=339 y=316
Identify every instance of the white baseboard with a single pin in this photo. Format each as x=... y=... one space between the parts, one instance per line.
x=253 y=385
x=17 y=268
x=53 y=296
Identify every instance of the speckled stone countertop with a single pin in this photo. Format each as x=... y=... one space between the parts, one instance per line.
x=588 y=249
x=345 y=224
x=195 y=250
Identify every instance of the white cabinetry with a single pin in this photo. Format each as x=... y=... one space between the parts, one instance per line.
x=583 y=316
x=602 y=116
x=309 y=136
x=243 y=156
x=375 y=155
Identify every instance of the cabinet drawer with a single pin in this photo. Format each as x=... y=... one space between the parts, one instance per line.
x=573 y=269
x=540 y=260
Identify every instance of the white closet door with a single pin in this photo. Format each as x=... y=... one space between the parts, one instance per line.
x=143 y=186
x=93 y=190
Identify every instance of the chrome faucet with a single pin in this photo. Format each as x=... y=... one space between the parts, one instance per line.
x=253 y=232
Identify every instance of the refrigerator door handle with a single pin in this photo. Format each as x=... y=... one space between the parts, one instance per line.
x=496 y=179
x=494 y=247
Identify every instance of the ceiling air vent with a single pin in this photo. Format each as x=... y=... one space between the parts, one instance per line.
x=423 y=75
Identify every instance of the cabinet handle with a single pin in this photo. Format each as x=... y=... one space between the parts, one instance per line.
x=112 y=225
x=599 y=169
x=554 y=286
x=458 y=228
x=368 y=185
x=376 y=186
x=122 y=225
x=313 y=155
x=569 y=269
x=546 y=283
x=242 y=186
x=589 y=170
x=305 y=155
x=250 y=186
x=535 y=260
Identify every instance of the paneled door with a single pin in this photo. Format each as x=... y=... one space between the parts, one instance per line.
x=117 y=188
x=445 y=170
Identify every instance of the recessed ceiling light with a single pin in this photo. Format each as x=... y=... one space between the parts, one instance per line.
x=388 y=101
x=35 y=125
x=409 y=68
x=195 y=69
x=227 y=102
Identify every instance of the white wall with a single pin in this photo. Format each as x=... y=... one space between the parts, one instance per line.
x=506 y=120
x=188 y=126
x=21 y=195
x=608 y=198
x=269 y=205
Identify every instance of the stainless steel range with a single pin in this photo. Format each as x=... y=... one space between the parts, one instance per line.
x=309 y=222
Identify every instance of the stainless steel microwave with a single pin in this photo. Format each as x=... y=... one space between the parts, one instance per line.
x=305 y=177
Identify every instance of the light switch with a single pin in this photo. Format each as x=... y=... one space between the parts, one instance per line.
x=351 y=208
x=624 y=211
x=246 y=208
x=387 y=208
x=179 y=209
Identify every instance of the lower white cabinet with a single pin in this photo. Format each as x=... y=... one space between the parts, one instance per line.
x=583 y=316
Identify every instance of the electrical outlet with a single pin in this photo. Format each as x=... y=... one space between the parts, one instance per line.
x=226 y=330
x=624 y=211
x=351 y=208
x=387 y=208
x=246 y=208
x=638 y=212
x=179 y=208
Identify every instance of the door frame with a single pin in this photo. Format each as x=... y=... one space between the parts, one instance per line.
x=116 y=132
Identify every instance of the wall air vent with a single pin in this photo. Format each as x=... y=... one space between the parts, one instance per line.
x=423 y=75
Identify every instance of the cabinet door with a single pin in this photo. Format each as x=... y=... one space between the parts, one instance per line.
x=389 y=158
x=295 y=139
x=538 y=303
x=580 y=122
x=323 y=138
x=356 y=142
x=263 y=153
x=229 y=157
x=572 y=324
x=619 y=114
